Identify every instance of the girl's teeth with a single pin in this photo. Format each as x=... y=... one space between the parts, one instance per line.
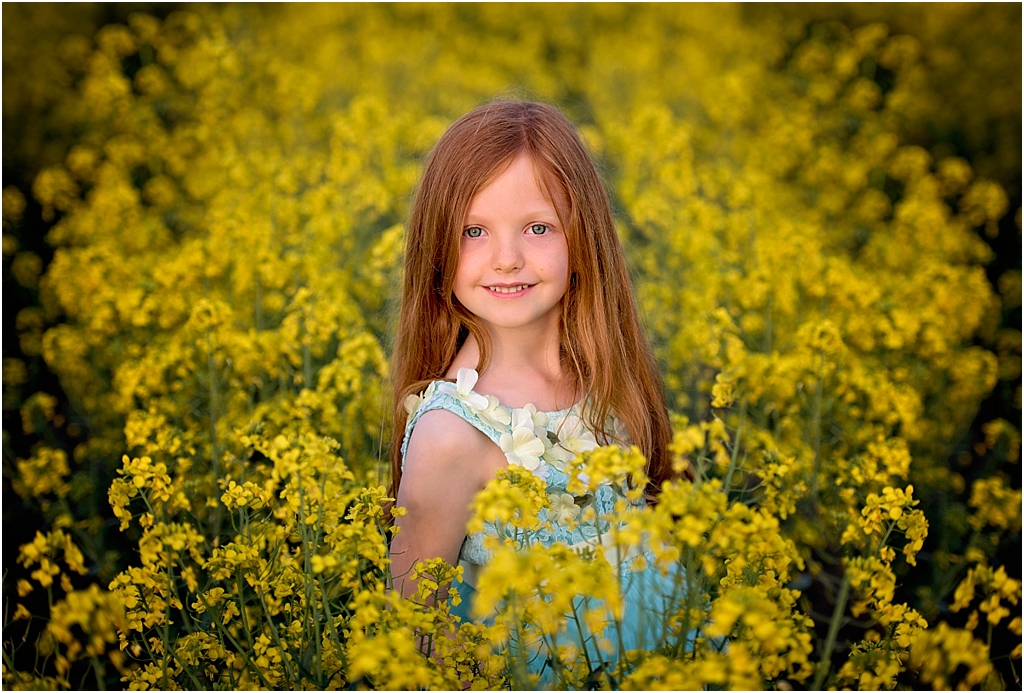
x=508 y=289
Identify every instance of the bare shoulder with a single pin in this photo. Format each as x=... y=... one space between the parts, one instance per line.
x=446 y=463
x=442 y=445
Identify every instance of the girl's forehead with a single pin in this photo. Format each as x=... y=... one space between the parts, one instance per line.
x=545 y=178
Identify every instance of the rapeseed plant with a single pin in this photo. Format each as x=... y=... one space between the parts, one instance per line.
x=226 y=230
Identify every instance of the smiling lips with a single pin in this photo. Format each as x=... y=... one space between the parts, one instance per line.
x=509 y=291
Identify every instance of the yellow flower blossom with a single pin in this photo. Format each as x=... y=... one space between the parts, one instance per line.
x=995 y=504
x=937 y=653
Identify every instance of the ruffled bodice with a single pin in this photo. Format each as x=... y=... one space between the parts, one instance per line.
x=542 y=442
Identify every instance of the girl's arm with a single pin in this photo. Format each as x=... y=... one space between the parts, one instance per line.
x=446 y=463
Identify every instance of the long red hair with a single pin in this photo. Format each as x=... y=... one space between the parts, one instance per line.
x=603 y=347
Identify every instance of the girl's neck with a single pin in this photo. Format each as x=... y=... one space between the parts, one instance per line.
x=521 y=370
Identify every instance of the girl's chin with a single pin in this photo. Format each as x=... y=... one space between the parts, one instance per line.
x=496 y=321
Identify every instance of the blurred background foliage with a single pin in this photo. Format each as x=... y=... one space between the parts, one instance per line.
x=202 y=223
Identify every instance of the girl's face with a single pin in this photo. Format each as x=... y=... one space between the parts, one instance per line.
x=513 y=258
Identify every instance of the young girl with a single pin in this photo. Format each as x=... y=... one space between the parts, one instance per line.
x=518 y=340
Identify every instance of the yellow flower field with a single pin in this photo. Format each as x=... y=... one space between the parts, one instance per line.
x=203 y=214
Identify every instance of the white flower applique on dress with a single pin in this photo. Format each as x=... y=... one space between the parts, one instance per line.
x=496 y=413
x=522 y=446
x=540 y=419
x=529 y=438
x=564 y=508
x=573 y=438
x=463 y=389
x=413 y=402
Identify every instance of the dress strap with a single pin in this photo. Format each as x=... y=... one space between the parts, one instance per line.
x=441 y=394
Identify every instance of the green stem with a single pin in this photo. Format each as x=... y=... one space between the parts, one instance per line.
x=701 y=467
x=187 y=671
x=167 y=622
x=258 y=317
x=97 y=669
x=693 y=589
x=579 y=631
x=307 y=367
x=885 y=539
x=243 y=614
x=520 y=677
x=277 y=637
x=833 y=631
x=817 y=431
x=7 y=658
x=335 y=636
x=309 y=546
x=217 y=622
x=736 y=448
x=211 y=373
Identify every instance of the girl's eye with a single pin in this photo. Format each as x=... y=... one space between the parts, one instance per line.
x=473 y=232
x=539 y=229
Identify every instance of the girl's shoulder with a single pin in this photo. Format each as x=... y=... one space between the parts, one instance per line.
x=446 y=438
x=444 y=446
x=484 y=414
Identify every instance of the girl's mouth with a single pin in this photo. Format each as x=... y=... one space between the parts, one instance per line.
x=509 y=291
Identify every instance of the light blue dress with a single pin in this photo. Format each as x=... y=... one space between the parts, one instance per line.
x=647 y=595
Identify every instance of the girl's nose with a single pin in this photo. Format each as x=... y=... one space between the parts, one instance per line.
x=508 y=255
